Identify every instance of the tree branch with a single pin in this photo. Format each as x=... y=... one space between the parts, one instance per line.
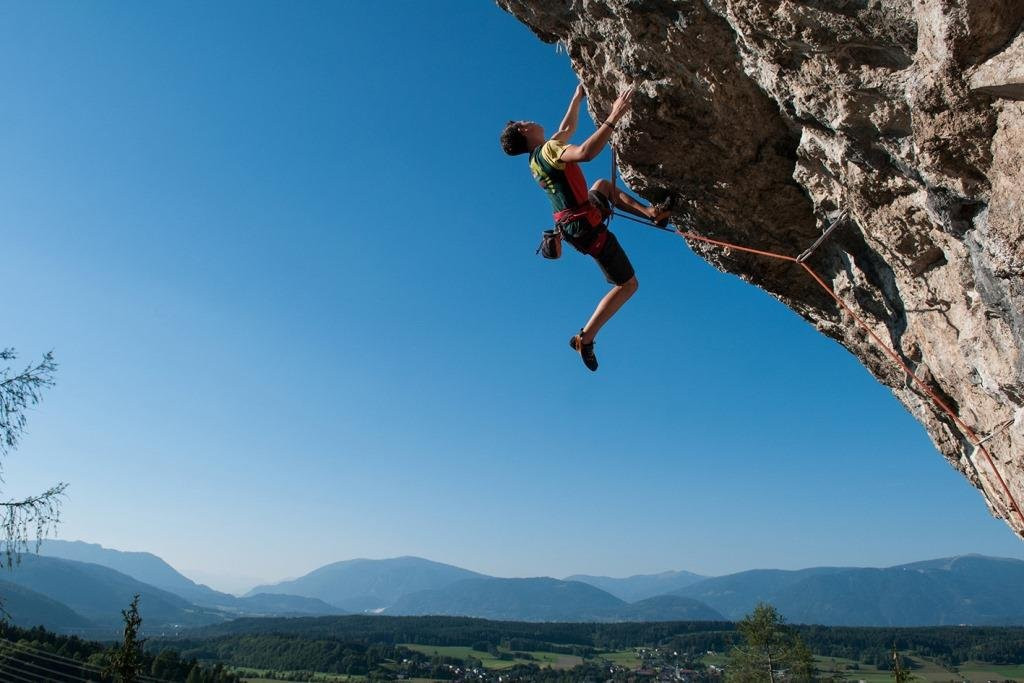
x=19 y=392
x=39 y=513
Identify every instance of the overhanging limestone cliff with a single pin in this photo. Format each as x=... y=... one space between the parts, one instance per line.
x=763 y=118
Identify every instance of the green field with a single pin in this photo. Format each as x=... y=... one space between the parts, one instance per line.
x=976 y=671
x=462 y=652
x=624 y=658
x=865 y=672
x=256 y=676
x=542 y=659
x=926 y=671
x=717 y=659
x=559 y=661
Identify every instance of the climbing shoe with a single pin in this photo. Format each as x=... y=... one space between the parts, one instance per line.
x=586 y=351
x=663 y=212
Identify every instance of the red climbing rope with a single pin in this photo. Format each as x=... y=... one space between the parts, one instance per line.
x=977 y=442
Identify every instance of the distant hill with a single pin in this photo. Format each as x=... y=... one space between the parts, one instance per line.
x=668 y=608
x=361 y=585
x=150 y=569
x=273 y=604
x=540 y=599
x=28 y=608
x=735 y=595
x=544 y=599
x=100 y=593
x=971 y=589
x=432 y=630
x=640 y=586
x=145 y=567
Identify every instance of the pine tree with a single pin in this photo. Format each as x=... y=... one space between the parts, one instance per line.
x=126 y=663
x=899 y=673
x=771 y=651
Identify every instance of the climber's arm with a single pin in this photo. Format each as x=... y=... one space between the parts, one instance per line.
x=572 y=115
x=593 y=145
x=590 y=148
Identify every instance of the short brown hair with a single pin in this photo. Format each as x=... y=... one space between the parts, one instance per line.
x=512 y=139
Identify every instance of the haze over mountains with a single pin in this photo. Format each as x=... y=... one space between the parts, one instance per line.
x=150 y=569
x=545 y=599
x=640 y=586
x=81 y=588
x=370 y=585
x=970 y=589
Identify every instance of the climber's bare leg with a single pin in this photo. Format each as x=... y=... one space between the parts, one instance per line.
x=608 y=306
x=627 y=203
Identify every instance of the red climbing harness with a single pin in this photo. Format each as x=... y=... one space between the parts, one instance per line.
x=583 y=208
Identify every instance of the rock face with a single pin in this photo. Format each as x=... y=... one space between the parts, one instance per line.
x=765 y=118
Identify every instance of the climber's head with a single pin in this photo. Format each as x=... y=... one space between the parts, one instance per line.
x=519 y=137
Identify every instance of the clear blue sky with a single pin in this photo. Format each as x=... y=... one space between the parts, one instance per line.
x=290 y=280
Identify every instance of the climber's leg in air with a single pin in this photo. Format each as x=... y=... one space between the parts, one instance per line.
x=656 y=214
x=615 y=265
x=609 y=304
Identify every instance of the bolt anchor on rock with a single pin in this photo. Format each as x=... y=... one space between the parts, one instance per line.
x=835 y=224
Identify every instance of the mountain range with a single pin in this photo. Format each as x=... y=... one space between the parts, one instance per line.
x=152 y=570
x=970 y=589
x=81 y=587
x=371 y=585
x=545 y=599
x=640 y=586
x=144 y=567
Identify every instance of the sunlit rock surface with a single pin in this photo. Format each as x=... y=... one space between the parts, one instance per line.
x=764 y=119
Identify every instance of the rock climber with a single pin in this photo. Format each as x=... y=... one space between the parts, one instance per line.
x=580 y=215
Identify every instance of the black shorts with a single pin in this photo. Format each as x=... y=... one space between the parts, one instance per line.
x=613 y=261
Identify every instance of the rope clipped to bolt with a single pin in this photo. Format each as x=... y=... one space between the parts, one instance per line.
x=977 y=442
